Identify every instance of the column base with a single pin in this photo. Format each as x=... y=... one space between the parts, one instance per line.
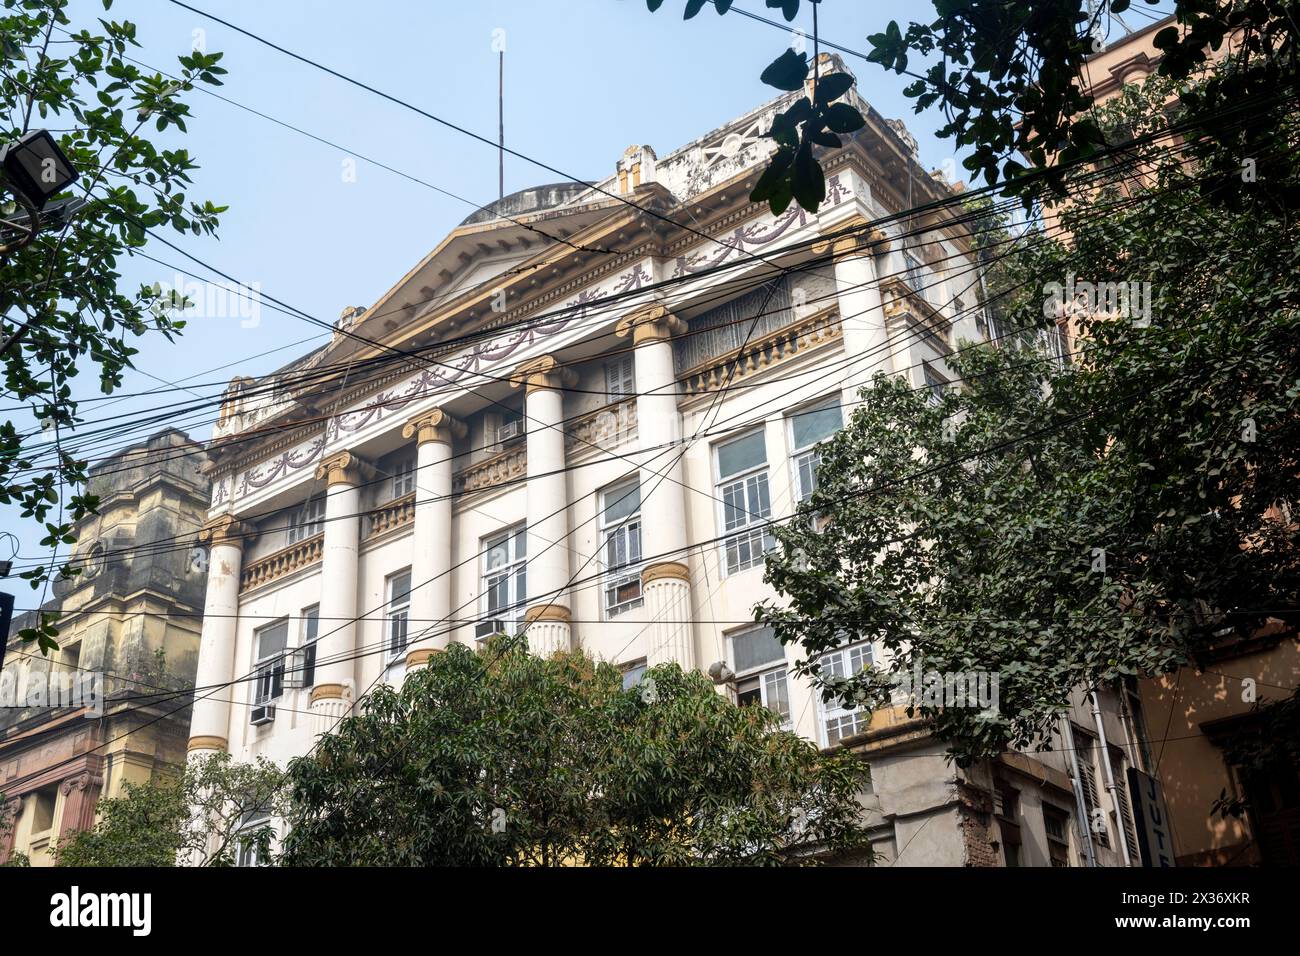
x=667 y=590
x=548 y=629
x=420 y=656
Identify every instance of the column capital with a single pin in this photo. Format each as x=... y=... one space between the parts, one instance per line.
x=433 y=425
x=543 y=372
x=207 y=743
x=342 y=468
x=650 y=323
x=78 y=782
x=862 y=235
x=227 y=529
x=675 y=570
x=421 y=656
x=547 y=612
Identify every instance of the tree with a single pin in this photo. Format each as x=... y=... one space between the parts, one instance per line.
x=201 y=818
x=1070 y=525
x=1006 y=74
x=62 y=304
x=503 y=758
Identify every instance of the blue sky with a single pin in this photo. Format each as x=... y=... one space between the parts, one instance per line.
x=584 y=79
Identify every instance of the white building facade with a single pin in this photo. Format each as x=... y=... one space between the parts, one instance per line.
x=578 y=417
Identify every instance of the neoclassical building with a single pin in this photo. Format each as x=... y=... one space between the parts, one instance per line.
x=132 y=617
x=577 y=417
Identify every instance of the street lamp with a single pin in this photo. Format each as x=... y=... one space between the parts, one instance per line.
x=35 y=169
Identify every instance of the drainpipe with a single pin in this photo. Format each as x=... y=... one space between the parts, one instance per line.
x=1080 y=807
x=1110 y=779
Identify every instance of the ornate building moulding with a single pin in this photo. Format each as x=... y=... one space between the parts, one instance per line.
x=227 y=529
x=650 y=323
x=543 y=372
x=434 y=425
x=343 y=468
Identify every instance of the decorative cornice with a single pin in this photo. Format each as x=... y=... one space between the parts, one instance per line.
x=228 y=530
x=343 y=468
x=543 y=372
x=434 y=425
x=547 y=612
x=665 y=570
x=651 y=323
x=207 y=743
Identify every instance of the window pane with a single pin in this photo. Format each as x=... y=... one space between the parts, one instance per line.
x=272 y=640
x=777 y=693
x=632 y=676
x=623 y=501
x=813 y=425
x=756 y=647
x=399 y=588
x=742 y=455
x=312 y=616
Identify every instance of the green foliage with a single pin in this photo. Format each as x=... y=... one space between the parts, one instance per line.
x=503 y=758
x=1069 y=526
x=197 y=819
x=63 y=290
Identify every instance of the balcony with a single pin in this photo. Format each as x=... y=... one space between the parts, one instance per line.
x=771 y=349
x=293 y=558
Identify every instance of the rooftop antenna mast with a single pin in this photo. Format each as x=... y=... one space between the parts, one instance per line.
x=499 y=46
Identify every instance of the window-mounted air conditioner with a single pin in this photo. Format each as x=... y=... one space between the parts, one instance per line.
x=510 y=431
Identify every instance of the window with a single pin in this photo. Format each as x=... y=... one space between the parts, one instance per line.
x=745 y=500
x=632 y=674
x=754 y=651
x=398 y=616
x=1117 y=767
x=918 y=275
x=250 y=827
x=307 y=521
x=1006 y=807
x=936 y=385
x=310 y=631
x=505 y=583
x=620 y=527
x=269 y=645
x=620 y=381
x=1055 y=823
x=808 y=428
x=43 y=809
x=403 y=480
x=1085 y=747
x=838 y=721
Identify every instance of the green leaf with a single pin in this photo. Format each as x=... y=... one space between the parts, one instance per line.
x=787 y=72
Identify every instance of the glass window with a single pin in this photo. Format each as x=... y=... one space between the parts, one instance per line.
x=252 y=823
x=755 y=647
x=505 y=582
x=399 y=612
x=307 y=521
x=808 y=428
x=403 y=480
x=754 y=651
x=745 y=501
x=310 y=632
x=768 y=689
x=620 y=523
x=936 y=384
x=839 y=721
x=269 y=644
x=632 y=674
x=620 y=381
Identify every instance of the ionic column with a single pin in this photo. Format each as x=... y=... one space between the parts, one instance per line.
x=547 y=616
x=862 y=317
x=665 y=580
x=210 y=723
x=331 y=698
x=431 y=551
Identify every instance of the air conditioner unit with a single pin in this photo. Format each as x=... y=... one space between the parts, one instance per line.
x=262 y=714
x=510 y=431
x=486 y=629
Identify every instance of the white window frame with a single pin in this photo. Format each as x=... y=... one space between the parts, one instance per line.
x=755 y=532
x=309 y=634
x=848 y=660
x=397 y=614
x=628 y=529
x=268 y=668
x=764 y=677
x=633 y=673
x=246 y=852
x=403 y=477
x=807 y=455
x=936 y=384
x=512 y=565
x=307 y=520
x=620 y=378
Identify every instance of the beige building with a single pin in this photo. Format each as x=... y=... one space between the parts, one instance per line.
x=104 y=709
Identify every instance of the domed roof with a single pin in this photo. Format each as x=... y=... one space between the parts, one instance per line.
x=533 y=199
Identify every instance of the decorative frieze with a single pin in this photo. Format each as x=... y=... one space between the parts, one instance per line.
x=277 y=565
x=814 y=331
